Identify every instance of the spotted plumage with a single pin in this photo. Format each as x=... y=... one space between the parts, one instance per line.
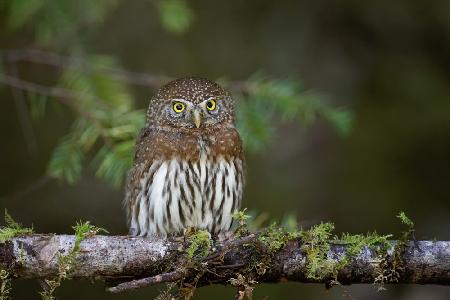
x=189 y=164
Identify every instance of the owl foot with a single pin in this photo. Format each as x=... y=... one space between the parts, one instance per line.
x=133 y=231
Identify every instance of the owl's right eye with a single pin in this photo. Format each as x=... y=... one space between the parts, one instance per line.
x=178 y=107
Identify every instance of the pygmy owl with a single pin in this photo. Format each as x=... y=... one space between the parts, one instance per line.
x=189 y=162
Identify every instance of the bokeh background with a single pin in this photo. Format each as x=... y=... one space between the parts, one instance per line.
x=388 y=62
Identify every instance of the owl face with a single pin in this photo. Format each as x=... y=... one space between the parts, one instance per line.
x=191 y=103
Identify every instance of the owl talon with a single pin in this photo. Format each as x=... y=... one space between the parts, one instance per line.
x=132 y=231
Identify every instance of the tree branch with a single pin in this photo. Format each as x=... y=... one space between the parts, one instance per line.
x=64 y=96
x=122 y=258
x=79 y=63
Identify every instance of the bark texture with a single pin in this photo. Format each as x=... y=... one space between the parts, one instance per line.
x=124 y=258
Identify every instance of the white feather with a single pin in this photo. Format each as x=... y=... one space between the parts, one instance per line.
x=157 y=200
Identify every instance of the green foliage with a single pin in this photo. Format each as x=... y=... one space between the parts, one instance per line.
x=12 y=229
x=96 y=90
x=106 y=118
x=176 y=16
x=5 y=285
x=21 y=11
x=254 y=126
x=114 y=163
x=106 y=124
x=264 y=100
x=59 y=21
x=67 y=159
x=199 y=245
x=37 y=104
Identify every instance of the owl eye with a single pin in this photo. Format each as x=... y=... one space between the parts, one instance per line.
x=211 y=104
x=178 y=107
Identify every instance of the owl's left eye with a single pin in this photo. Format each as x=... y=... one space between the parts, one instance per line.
x=178 y=107
x=211 y=104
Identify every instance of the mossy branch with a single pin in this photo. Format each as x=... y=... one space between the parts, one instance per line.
x=120 y=257
x=241 y=259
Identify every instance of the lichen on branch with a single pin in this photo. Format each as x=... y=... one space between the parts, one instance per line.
x=272 y=254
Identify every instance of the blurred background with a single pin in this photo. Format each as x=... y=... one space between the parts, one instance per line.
x=344 y=107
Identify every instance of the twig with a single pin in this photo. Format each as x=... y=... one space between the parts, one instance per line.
x=62 y=61
x=144 y=282
x=64 y=95
x=65 y=62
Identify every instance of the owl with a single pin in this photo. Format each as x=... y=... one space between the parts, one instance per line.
x=189 y=163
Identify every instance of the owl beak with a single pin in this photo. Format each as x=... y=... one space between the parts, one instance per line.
x=197 y=118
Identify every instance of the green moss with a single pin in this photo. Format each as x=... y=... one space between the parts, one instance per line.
x=402 y=242
x=12 y=229
x=274 y=238
x=241 y=218
x=316 y=244
x=84 y=230
x=5 y=285
x=405 y=220
x=356 y=242
x=389 y=269
x=66 y=263
x=199 y=245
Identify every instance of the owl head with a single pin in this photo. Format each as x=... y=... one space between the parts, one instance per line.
x=191 y=103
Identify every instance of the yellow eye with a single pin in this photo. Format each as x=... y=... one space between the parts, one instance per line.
x=178 y=107
x=211 y=104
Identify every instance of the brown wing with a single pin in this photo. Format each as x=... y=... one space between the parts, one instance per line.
x=141 y=164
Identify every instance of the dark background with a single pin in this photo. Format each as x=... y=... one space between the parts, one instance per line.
x=388 y=61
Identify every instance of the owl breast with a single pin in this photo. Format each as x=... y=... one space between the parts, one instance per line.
x=177 y=193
